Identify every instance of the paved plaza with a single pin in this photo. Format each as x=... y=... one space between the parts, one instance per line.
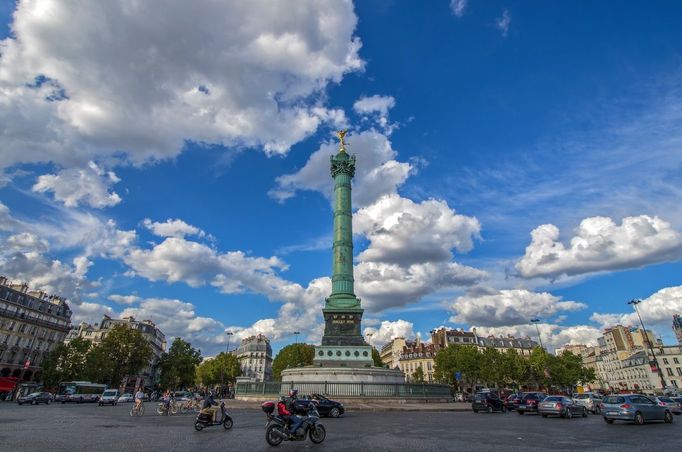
x=91 y=428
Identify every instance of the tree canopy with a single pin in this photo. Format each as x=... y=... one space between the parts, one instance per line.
x=376 y=358
x=293 y=355
x=222 y=369
x=178 y=365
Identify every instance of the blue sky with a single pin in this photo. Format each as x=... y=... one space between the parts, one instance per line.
x=515 y=160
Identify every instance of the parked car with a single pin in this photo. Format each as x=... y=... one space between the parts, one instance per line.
x=487 y=401
x=127 y=397
x=589 y=400
x=634 y=408
x=325 y=406
x=512 y=402
x=671 y=404
x=109 y=397
x=562 y=406
x=35 y=398
x=529 y=402
x=679 y=401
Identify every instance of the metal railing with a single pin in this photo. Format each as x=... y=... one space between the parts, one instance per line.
x=334 y=389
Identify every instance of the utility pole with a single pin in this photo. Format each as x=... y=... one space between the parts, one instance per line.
x=651 y=347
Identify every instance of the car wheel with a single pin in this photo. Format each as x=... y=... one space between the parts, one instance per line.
x=49 y=402
x=668 y=418
x=584 y=412
x=20 y=403
x=99 y=404
x=490 y=409
x=334 y=412
x=639 y=419
x=544 y=415
x=520 y=412
x=608 y=421
x=33 y=402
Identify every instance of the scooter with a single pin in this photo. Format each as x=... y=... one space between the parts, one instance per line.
x=276 y=429
x=205 y=420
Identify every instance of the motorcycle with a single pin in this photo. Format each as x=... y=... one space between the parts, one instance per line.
x=206 y=420
x=276 y=429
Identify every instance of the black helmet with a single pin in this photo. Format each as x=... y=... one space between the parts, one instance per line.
x=293 y=392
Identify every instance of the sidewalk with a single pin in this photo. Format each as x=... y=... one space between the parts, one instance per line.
x=367 y=405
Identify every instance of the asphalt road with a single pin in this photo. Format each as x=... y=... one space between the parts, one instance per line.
x=88 y=427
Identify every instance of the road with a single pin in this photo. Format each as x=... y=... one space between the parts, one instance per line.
x=88 y=427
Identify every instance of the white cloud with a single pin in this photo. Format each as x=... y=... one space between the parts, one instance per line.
x=374 y=104
x=402 y=231
x=124 y=299
x=600 y=245
x=458 y=7
x=172 y=228
x=502 y=23
x=377 y=172
x=388 y=331
x=25 y=241
x=88 y=81
x=90 y=312
x=491 y=307
x=89 y=185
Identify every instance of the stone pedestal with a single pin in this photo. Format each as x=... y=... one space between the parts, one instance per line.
x=322 y=375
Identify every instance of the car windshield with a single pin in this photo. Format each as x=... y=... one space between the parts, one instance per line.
x=613 y=400
x=665 y=399
x=581 y=396
x=34 y=394
x=109 y=393
x=554 y=399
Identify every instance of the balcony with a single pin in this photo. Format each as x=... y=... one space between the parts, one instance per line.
x=34 y=321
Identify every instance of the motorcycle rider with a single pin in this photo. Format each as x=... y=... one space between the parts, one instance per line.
x=293 y=420
x=210 y=406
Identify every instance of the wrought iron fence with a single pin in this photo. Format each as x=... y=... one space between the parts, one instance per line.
x=334 y=389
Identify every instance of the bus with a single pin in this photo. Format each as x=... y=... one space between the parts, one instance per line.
x=79 y=391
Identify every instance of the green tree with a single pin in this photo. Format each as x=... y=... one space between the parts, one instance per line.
x=99 y=367
x=128 y=352
x=376 y=358
x=458 y=358
x=293 y=355
x=52 y=370
x=418 y=375
x=178 y=365
x=222 y=369
x=66 y=362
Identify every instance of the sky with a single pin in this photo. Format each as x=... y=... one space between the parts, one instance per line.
x=515 y=160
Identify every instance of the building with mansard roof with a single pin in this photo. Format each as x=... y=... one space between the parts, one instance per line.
x=255 y=358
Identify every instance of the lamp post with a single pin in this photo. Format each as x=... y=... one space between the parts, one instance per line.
x=634 y=303
x=536 y=321
x=296 y=333
x=229 y=337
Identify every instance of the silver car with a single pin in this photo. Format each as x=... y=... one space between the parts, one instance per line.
x=671 y=404
x=590 y=401
x=634 y=408
x=558 y=405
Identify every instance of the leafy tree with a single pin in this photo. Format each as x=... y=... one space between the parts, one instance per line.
x=222 y=369
x=66 y=362
x=418 y=375
x=376 y=358
x=99 y=367
x=178 y=365
x=128 y=352
x=293 y=355
x=458 y=358
x=52 y=369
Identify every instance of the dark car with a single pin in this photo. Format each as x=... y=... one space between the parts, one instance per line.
x=35 y=398
x=325 y=406
x=512 y=402
x=487 y=401
x=529 y=402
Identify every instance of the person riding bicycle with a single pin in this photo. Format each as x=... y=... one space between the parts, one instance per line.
x=210 y=406
x=139 y=395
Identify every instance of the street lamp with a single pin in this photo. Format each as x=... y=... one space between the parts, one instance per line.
x=296 y=333
x=634 y=303
x=229 y=337
x=536 y=321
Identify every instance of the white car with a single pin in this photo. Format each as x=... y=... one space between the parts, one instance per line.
x=126 y=398
x=589 y=400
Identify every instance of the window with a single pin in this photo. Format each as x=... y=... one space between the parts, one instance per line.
x=670 y=371
x=679 y=371
x=676 y=361
x=665 y=360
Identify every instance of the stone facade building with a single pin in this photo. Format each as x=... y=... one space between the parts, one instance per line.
x=149 y=376
x=415 y=355
x=677 y=328
x=391 y=351
x=255 y=358
x=32 y=323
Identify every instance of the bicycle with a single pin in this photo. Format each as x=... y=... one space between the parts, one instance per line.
x=137 y=410
x=162 y=409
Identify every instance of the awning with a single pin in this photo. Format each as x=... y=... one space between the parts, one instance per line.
x=7 y=384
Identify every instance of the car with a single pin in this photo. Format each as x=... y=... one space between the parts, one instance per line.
x=109 y=397
x=182 y=396
x=512 y=402
x=487 y=401
x=325 y=407
x=529 y=402
x=669 y=402
x=635 y=408
x=127 y=397
x=679 y=401
x=562 y=406
x=589 y=400
x=35 y=398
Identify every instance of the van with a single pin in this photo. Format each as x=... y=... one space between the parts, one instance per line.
x=109 y=397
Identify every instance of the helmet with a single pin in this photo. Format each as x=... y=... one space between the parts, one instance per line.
x=293 y=392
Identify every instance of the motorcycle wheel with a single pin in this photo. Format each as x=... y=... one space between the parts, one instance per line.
x=271 y=437
x=317 y=434
x=198 y=426
x=227 y=423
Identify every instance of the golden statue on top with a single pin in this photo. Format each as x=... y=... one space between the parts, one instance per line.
x=341 y=134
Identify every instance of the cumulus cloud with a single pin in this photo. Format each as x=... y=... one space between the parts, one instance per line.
x=405 y=232
x=124 y=299
x=25 y=241
x=377 y=172
x=172 y=228
x=491 y=307
x=89 y=185
x=503 y=22
x=458 y=7
x=600 y=244
x=83 y=82
x=388 y=331
x=376 y=108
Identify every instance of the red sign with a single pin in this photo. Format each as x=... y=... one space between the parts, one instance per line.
x=27 y=363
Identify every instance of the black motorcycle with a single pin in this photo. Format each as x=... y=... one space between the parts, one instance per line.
x=206 y=420
x=276 y=430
